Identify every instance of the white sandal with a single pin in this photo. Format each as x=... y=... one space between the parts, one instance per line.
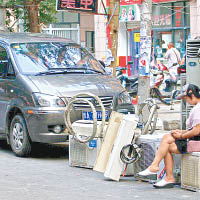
x=146 y=172
x=163 y=184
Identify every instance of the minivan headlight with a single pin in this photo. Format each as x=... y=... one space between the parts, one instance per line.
x=46 y=100
x=124 y=98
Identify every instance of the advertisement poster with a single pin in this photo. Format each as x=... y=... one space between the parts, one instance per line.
x=136 y=46
x=127 y=13
x=127 y=9
x=145 y=55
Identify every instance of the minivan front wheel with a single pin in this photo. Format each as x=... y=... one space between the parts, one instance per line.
x=19 y=139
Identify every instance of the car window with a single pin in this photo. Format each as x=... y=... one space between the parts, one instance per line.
x=6 y=69
x=33 y=58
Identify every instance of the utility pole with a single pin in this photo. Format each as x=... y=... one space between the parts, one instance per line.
x=113 y=22
x=3 y=16
x=145 y=51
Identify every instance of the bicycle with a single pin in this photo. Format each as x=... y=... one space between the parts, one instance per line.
x=145 y=123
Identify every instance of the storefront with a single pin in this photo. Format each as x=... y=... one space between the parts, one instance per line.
x=129 y=16
x=170 y=23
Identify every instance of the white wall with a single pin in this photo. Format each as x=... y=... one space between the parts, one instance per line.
x=195 y=18
x=100 y=32
x=122 y=40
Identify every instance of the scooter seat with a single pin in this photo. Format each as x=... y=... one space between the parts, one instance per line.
x=132 y=79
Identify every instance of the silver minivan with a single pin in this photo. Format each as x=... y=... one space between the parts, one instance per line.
x=38 y=75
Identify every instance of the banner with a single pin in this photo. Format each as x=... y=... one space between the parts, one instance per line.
x=164 y=1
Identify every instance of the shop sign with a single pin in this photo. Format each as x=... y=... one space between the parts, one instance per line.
x=161 y=20
x=77 y=5
x=178 y=16
x=164 y=1
x=136 y=37
x=130 y=2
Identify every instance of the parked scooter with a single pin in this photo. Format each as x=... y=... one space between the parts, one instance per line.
x=160 y=74
x=128 y=82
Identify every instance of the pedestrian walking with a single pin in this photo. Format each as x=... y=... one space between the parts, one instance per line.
x=173 y=59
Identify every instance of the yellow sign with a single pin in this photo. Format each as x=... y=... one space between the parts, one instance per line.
x=136 y=37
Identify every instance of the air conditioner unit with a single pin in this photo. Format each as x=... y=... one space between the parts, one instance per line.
x=149 y=145
x=193 y=61
x=190 y=171
x=84 y=154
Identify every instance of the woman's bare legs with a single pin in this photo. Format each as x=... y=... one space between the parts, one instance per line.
x=169 y=164
x=165 y=150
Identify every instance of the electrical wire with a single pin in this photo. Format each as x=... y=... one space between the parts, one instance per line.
x=130 y=153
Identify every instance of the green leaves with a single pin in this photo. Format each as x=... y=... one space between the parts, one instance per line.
x=18 y=11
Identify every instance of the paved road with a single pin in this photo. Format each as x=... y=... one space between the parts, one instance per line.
x=46 y=175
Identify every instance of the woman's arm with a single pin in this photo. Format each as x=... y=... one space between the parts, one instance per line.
x=178 y=131
x=191 y=133
x=187 y=134
x=182 y=61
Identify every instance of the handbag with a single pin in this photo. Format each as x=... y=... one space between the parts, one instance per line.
x=193 y=146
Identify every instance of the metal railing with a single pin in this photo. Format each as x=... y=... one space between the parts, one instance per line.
x=70 y=33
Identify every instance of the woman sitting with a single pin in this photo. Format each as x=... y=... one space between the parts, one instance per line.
x=176 y=141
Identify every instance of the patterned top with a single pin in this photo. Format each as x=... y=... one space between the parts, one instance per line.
x=194 y=117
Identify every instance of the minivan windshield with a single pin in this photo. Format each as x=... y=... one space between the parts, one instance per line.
x=54 y=57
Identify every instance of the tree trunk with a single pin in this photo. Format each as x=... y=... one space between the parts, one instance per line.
x=114 y=25
x=2 y=17
x=33 y=19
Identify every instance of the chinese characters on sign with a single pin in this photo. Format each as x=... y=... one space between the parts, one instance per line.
x=130 y=2
x=78 y=5
x=161 y=20
x=178 y=16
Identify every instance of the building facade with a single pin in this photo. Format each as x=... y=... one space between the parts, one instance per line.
x=195 y=18
x=170 y=23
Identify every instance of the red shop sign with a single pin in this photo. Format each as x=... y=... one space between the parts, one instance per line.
x=164 y=1
x=130 y=2
x=77 y=5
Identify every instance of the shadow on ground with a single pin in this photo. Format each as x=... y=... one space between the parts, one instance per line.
x=40 y=150
x=4 y=145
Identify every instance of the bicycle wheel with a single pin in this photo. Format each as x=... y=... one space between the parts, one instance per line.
x=153 y=122
x=150 y=125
